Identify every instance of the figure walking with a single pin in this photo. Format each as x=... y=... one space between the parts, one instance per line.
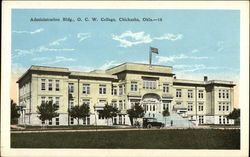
x=171 y=122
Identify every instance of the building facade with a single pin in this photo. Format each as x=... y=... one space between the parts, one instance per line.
x=154 y=87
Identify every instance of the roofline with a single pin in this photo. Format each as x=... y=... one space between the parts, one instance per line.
x=29 y=69
x=137 y=63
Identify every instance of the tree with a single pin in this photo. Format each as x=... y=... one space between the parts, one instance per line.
x=14 y=112
x=47 y=111
x=79 y=112
x=135 y=112
x=235 y=114
x=109 y=112
x=165 y=114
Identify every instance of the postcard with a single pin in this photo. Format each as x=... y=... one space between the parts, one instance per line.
x=125 y=78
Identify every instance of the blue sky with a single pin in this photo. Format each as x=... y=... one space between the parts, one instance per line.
x=194 y=42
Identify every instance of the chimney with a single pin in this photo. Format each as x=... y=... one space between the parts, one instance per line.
x=205 y=78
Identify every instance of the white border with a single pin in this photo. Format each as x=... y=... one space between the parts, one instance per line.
x=243 y=6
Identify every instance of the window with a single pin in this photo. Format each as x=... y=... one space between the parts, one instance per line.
x=200 y=106
x=134 y=86
x=86 y=101
x=165 y=88
x=114 y=103
x=43 y=100
x=123 y=119
x=86 y=89
x=102 y=101
x=57 y=121
x=178 y=93
x=43 y=84
x=124 y=104
x=190 y=106
x=219 y=119
x=120 y=105
x=57 y=101
x=71 y=103
x=227 y=107
x=190 y=93
x=200 y=94
x=149 y=84
x=124 y=89
x=71 y=120
x=223 y=107
x=201 y=119
x=223 y=94
x=219 y=106
x=120 y=90
x=219 y=93
x=50 y=85
x=43 y=122
x=86 y=120
x=71 y=87
x=57 y=85
x=100 y=116
x=227 y=94
x=50 y=122
x=153 y=107
x=102 y=89
x=114 y=90
x=165 y=106
x=120 y=119
x=51 y=99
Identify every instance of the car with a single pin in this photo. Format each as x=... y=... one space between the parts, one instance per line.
x=152 y=122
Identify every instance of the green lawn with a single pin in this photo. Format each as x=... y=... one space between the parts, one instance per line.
x=66 y=127
x=136 y=139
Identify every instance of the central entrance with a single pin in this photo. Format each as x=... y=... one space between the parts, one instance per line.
x=152 y=104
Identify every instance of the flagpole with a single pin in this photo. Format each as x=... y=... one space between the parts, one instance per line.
x=150 y=56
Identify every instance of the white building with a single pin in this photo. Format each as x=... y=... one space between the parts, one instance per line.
x=155 y=88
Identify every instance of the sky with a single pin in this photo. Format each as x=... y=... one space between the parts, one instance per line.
x=194 y=42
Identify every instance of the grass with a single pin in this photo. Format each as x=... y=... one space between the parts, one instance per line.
x=136 y=139
x=66 y=127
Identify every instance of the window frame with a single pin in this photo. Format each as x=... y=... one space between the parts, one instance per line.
x=50 y=85
x=85 y=88
x=43 y=85
x=102 y=89
x=57 y=85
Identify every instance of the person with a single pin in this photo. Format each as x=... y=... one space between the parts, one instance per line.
x=171 y=122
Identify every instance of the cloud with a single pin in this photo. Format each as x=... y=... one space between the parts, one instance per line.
x=195 y=67
x=169 y=36
x=220 y=45
x=58 y=59
x=108 y=65
x=29 y=32
x=81 y=68
x=58 y=41
x=40 y=49
x=83 y=36
x=164 y=59
x=105 y=66
x=137 y=38
x=194 y=51
x=128 y=38
x=40 y=58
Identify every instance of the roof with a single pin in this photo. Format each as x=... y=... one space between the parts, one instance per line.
x=138 y=67
x=195 y=82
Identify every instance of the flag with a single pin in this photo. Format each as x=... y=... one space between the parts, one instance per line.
x=154 y=50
